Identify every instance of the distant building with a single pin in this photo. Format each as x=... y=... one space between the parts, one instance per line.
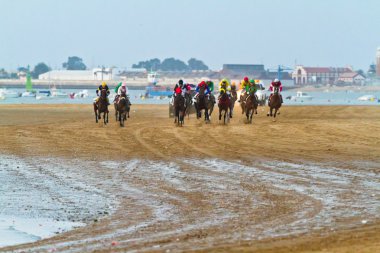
x=352 y=78
x=317 y=75
x=245 y=69
x=80 y=75
x=378 y=62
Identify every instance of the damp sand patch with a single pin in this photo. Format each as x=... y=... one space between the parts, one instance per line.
x=42 y=197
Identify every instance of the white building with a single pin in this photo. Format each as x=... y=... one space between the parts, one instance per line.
x=78 y=75
x=317 y=75
x=352 y=78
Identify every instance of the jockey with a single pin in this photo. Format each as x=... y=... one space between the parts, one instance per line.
x=243 y=85
x=200 y=85
x=123 y=92
x=224 y=86
x=101 y=87
x=179 y=88
x=210 y=85
x=275 y=83
x=233 y=86
x=252 y=89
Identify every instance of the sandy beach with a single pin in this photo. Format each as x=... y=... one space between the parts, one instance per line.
x=309 y=182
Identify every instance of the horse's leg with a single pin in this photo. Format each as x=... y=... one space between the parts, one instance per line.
x=115 y=106
x=251 y=116
x=220 y=113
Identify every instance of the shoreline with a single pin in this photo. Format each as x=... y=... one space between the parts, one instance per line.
x=141 y=83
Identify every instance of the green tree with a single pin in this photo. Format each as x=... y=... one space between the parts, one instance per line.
x=39 y=69
x=152 y=64
x=74 y=63
x=171 y=64
x=195 y=64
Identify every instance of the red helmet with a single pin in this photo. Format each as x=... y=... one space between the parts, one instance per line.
x=202 y=83
x=246 y=79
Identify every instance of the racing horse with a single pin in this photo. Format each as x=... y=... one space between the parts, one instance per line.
x=233 y=99
x=101 y=106
x=188 y=104
x=224 y=104
x=122 y=108
x=202 y=104
x=179 y=109
x=274 y=103
x=250 y=107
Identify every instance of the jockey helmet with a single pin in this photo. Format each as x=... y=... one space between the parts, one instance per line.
x=276 y=80
x=252 y=81
x=246 y=79
x=180 y=82
x=104 y=84
x=203 y=83
x=124 y=84
x=233 y=84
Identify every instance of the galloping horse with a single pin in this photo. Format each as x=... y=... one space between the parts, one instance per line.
x=101 y=106
x=122 y=108
x=188 y=103
x=179 y=109
x=250 y=106
x=202 y=104
x=233 y=99
x=274 y=103
x=224 y=104
x=210 y=106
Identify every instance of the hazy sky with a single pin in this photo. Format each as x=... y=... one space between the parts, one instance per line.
x=123 y=32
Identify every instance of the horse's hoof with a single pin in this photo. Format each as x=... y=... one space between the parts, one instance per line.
x=267 y=114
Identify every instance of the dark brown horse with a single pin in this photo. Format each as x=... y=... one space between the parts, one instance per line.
x=233 y=99
x=274 y=103
x=122 y=108
x=224 y=104
x=202 y=104
x=188 y=103
x=101 y=106
x=250 y=107
x=179 y=109
x=115 y=104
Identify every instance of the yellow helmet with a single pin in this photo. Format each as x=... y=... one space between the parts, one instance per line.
x=104 y=84
x=233 y=84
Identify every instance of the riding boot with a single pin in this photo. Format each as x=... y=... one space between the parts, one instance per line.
x=281 y=99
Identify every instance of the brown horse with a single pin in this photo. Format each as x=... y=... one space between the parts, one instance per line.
x=202 y=104
x=179 y=109
x=224 y=104
x=101 y=106
x=115 y=104
x=233 y=99
x=274 y=103
x=188 y=103
x=122 y=108
x=250 y=107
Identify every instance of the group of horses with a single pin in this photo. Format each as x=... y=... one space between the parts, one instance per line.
x=121 y=105
x=226 y=103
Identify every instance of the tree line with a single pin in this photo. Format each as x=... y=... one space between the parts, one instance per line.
x=171 y=64
x=73 y=63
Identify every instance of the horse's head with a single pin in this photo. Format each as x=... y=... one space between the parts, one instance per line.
x=103 y=93
x=202 y=90
x=276 y=90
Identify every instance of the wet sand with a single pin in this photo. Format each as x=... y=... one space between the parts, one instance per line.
x=307 y=182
